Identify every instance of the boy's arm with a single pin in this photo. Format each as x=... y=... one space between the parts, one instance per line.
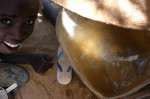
x=40 y=62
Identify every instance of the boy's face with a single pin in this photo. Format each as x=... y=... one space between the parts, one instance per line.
x=17 y=19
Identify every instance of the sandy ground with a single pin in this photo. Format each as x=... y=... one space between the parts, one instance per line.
x=46 y=86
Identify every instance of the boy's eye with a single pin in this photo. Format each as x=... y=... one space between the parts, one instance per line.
x=6 y=20
x=29 y=22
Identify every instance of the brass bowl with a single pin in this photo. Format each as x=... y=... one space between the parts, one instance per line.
x=112 y=61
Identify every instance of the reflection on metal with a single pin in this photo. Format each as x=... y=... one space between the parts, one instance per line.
x=67 y=22
x=131 y=11
x=87 y=47
x=111 y=61
x=124 y=13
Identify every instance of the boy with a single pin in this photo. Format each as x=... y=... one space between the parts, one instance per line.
x=17 y=19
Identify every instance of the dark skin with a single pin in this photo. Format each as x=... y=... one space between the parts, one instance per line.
x=17 y=19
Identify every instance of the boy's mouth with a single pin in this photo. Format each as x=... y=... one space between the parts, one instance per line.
x=7 y=47
x=11 y=45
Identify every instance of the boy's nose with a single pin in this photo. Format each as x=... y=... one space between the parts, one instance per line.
x=17 y=35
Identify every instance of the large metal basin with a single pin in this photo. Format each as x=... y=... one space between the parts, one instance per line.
x=111 y=61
